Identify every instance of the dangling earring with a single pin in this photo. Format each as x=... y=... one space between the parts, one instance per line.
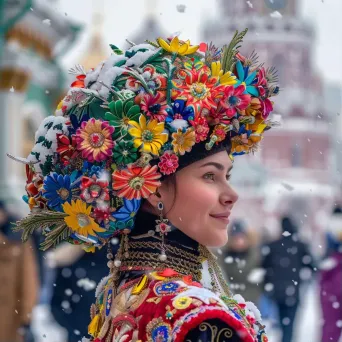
x=162 y=228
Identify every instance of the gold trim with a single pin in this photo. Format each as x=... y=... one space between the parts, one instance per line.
x=11 y=77
x=30 y=39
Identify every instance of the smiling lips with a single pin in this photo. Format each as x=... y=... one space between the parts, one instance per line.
x=223 y=216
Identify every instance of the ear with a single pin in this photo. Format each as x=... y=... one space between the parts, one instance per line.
x=154 y=199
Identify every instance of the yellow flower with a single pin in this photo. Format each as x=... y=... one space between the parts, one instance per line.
x=183 y=142
x=182 y=303
x=225 y=79
x=150 y=136
x=60 y=105
x=79 y=219
x=178 y=48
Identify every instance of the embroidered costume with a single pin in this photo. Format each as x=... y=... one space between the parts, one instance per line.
x=122 y=128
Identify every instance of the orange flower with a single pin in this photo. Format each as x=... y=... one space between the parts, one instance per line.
x=136 y=182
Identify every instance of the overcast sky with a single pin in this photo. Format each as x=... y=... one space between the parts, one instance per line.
x=123 y=17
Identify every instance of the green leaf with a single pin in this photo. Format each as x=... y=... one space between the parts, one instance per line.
x=118 y=108
x=59 y=233
x=230 y=51
x=44 y=219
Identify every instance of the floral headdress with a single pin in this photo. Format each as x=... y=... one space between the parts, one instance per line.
x=128 y=122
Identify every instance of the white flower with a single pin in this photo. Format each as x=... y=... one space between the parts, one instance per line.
x=101 y=285
x=253 y=310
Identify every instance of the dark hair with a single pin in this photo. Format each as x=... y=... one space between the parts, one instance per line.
x=337 y=210
x=198 y=152
x=288 y=225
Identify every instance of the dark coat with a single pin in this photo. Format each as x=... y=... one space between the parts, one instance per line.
x=283 y=263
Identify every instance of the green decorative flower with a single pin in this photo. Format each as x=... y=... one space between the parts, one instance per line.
x=120 y=114
x=125 y=153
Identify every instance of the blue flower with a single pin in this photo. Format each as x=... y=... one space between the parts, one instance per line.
x=76 y=121
x=58 y=190
x=95 y=170
x=128 y=210
x=248 y=80
x=179 y=110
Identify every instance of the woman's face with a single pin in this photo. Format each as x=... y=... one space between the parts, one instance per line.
x=201 y=201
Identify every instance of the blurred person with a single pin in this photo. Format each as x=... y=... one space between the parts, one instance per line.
x=267 y=305
x=18 y=279
x=241 y=261
x=286 y=259
x=77 y=274
x=331 y=280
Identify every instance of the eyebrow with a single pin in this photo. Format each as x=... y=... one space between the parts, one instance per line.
x=217 y=165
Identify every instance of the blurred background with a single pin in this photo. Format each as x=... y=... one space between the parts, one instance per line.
x=284 y=254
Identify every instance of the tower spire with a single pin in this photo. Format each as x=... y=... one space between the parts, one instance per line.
x=96 y=50
x=151 y=8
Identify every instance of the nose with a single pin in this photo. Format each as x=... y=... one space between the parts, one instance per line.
x=229 y=196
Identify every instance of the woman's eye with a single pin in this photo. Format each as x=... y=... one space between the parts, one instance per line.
x=228 y=177
x=209 y=176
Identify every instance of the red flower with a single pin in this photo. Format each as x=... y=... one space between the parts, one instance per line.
x=242 y=305
x=34 y=183
x=101 y=215
x=218 y=116
x=201 y=128
x=168 y=163
x=154 y=106
x=136 y=182
x=198 y=87
x=66 y=147
x=251 y=319
x=220 y=131
x=234 y=99
x=154 y=80
x=79 y=83
x=94 y=190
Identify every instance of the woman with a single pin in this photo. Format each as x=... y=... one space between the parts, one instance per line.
x=141 y=149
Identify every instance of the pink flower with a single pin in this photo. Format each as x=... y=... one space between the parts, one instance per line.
x=266 y=108
x=201 y=129
x=261 y=82
x=168 y=163
x=94 y=140
x=235 y=100
x=154 y=106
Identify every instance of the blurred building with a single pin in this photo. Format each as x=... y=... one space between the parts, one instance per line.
x=294 y=169
x=33 y=36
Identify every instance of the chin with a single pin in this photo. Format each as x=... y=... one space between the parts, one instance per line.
x=216 y=241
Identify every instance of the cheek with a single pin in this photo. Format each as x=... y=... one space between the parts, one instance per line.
x=192 y=206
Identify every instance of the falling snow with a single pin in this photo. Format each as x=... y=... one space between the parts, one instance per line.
x=47 y=22
x=181 y=8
